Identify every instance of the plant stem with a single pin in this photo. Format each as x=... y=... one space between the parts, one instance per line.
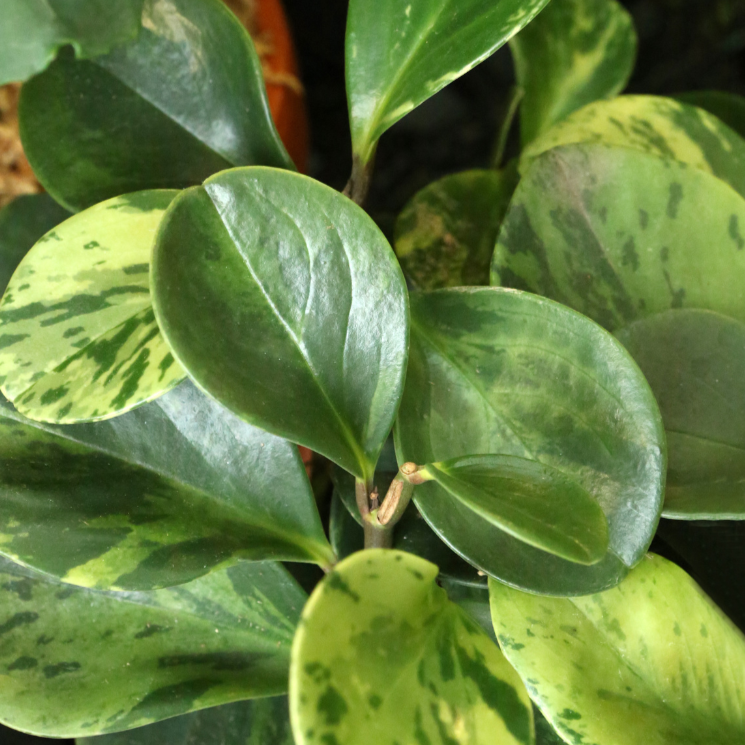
x=516 y=96
x=359 y=182
x=378 y=536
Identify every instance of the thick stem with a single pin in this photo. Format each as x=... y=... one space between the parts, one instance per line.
x=359 y=182
x=378 y=536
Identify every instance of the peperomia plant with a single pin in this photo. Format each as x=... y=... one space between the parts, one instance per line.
x=550 y=361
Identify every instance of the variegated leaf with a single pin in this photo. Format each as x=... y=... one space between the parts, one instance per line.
x=79 y=662
x=727 y=107
x=382 y=657
x=78 y=336
x=153 y=498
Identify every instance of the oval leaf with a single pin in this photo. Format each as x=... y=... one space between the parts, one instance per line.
x=381 y=656
x=78 y=337
x=185 y=100
x=531 y=501
x=154 y=498
x=79 y=662
x=284 y=301
x=694 y=361
x=673 y=237
x=401 y=52
x=445 y=235
x=652 y=661
x=574 y=53
x=504 y=372
x=727 y=107
x=657 y=126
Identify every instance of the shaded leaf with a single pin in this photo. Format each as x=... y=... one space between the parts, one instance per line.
x=401 y=52
x=672 y=237
x=153 y=498
x=186 y=99
x=382 y=656
x=653 y=660
x=727 y=107
x=78 y=337
x=574 y=53
x=81 y=662
x=504 y=372
x=474 y=599
x=284 y=301
x=445 y=235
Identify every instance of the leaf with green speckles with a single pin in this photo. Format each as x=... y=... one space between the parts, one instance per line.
x=264 y=721
x=651 y=661
x=619 y=235
x=381 y=657
x=22 y=223
x=78 y=337
x=80 y=662
x=401 y=52
x=694 y=361
x=154 y=498
x=445 y=235
x=662 y=127
x=473 y=598
x=530 y=501
x=501 y=372
x=727 y=107
x=181 y=102
x=34 y=30
x=574 y=53
x=284 y=301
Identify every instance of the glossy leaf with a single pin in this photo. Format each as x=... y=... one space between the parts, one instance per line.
x=694 y=361
x=652 y=661
x=507 y=373
x=78 y=337
x=22 y=223
x=263 y=721
x=657 y=126
x=574 y=53
x=445 y=235
x=284 y=301
x=672 y=237
x=474 y=599
x=381 y=656
x=79 y=662
x=34 y=30
x=153 y=498
x=727 y=107
x=530 y=501
x=401 y=52
x=185 y=100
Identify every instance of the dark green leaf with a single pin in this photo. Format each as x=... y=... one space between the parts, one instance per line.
x=574 y=53
x=382 y=657
x=33 y=31
x=22 y=223
x=727 y=107
x=185 y=100
x=153 y=498
x=694 y=361
x=530 y=501
x=80 y=662
x=504 y=372
x=401 y=52
x=284 y=301
x=445 y=235
x=619 y=235
x=474 y=599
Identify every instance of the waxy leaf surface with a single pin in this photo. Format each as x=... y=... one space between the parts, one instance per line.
x=79 y=662
x=445 y=235
x=401 y=52
x=154 y=498
x=671 y=237
x=574 y=53
x=186 y=99
x=652 y=660
x=727 y=107
x=694 y=361
x=382 y=656
x=501 y=372
x=533 y=502
x=78 y=337
x=33 y=31
x=263 y=721
x=662 y=127
x=284 y=301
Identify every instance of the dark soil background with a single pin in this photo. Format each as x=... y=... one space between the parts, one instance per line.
x=684 y=45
